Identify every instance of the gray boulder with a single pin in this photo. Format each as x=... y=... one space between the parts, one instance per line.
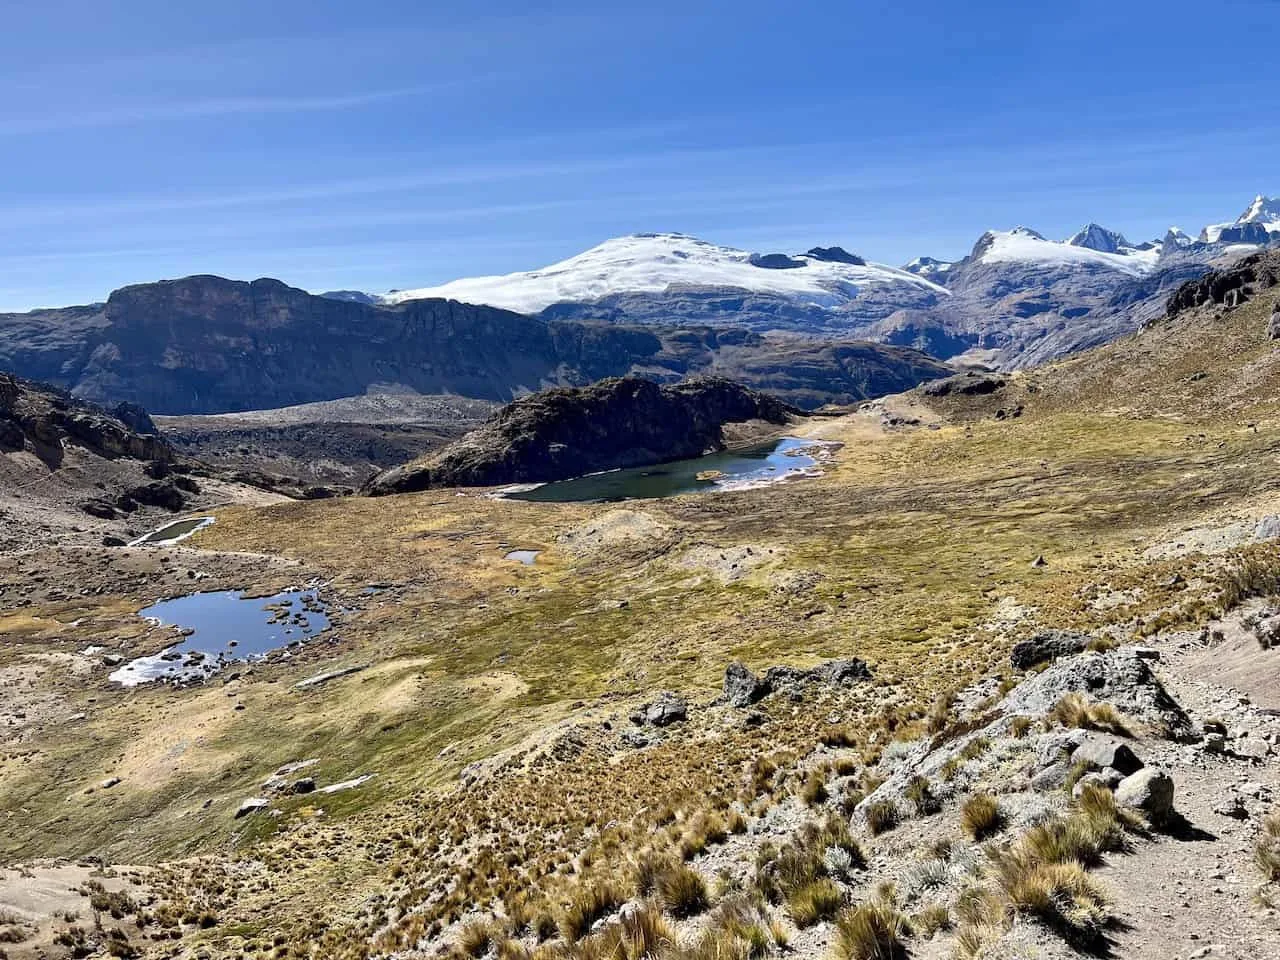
x=1268 y=528
x=1046 y=645
x=1150 y=791
x=742 y=687
x=1255 y=748
x=1118 y=677
x=1101 y=751
x=666 y=708
x=251 y=805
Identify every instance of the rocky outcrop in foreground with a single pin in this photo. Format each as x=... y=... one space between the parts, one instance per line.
x=562 y=433
x=39 y=419
x=1229 y=287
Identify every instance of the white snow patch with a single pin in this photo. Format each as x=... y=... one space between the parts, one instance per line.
x=657 y=262
x=1027 y=246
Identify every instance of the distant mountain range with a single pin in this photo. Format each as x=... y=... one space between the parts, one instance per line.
x=1017 y=298
x=209 y=345
x=823 y=326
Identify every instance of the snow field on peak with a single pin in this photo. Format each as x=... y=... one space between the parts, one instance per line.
x=653 y=263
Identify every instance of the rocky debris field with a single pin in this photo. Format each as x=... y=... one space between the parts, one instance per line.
x=1105 y=801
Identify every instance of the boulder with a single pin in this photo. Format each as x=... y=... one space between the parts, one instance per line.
x=1100 y=750
x=303 y=785
x=12 y=436
x=1046 y=645
x=110 y=540
x=1268 y=528
x=1150 y=791
x=1255 y=748
x=1053 y=777
x=97 y=507
x=251 y=805
x=1117 y=677
x=666 y=708
x=1273 y=325
x=846 y=671
x=157 y=494
x=742 y=687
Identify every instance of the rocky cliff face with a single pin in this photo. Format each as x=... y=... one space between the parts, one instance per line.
x=39 y=419
x=205 y=344
x=562 y=433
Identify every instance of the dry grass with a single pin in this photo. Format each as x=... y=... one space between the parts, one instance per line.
x=681 y=891
x=981 y=816
x=588 y=905
x=814 y=901
x=1075 y=710
x=871 y=931
x=1266 y=849
x=882 y=816
x=904 y=540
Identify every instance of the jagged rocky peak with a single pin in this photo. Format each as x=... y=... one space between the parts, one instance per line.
x=1099 y=238
x=1263 y=209
x=1259 y=224
x=1176 y=238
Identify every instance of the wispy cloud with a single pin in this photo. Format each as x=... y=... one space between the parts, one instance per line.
x=212 y=107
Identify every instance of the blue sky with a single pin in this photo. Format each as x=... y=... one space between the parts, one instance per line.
x=397 y=144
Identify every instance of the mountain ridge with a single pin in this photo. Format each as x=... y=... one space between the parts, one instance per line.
x=206 y=344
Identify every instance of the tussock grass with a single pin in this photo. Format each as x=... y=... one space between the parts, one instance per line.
x=875 y=930
x=588 y=905
x=475 y=939
x=882 y=816
x=1062 y=895
x=1266 y=849
x=816 y=900
x=1074 y=710
x=814 y=790
x=981 y=816
x=681 y=891
x=930 y=919
x=920 y=794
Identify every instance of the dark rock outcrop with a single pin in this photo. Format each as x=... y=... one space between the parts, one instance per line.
x=743 y=688
x=836 y=255
x=1228 y=287
x=205 y=344
x=1045 y=646
x=568 y=432
x=965 y=384
x=41 y=417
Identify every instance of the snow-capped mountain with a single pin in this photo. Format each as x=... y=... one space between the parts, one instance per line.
x=1259 y=223
x=1264 y=210
x=1016 y=298
x=1099 y=238
x=930 y=268
x=664 y=263
x=1175 y=239
x=1024 y=245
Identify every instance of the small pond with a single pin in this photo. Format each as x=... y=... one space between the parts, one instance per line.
x=175 y=531
x=222 y=628
x=788 y=458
